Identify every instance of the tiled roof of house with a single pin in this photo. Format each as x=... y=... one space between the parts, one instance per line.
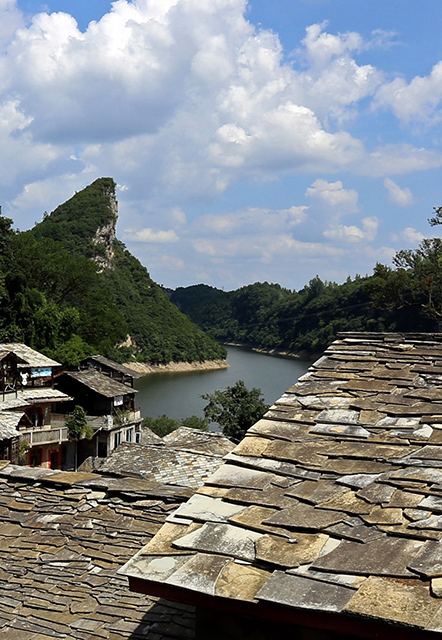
x=161 y=463
x=196 y=441
x=121 y=368
x=332 y=503
x=62 y=539
x=100 y=383
x=31 y=395
x=9 y=421
x=30 y=356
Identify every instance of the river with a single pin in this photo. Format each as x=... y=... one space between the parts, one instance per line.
x=178 y=395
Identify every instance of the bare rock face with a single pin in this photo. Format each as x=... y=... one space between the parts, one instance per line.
x=105 y=235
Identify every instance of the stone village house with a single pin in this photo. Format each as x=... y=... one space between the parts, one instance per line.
x=35 y=400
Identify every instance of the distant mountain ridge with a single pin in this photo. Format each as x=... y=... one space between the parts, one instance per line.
x=268 y=317
x=155 y=331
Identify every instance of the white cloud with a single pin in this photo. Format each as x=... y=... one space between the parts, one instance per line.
x=409 y=235
x=402 y=197
x=333 y=194
x=353 y=234
x=398 y=159
x=148 y=235
x=419 y=100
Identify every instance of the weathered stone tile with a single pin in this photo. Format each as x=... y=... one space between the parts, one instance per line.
x=357 y=533
x=407 y=602
x=303 y=516
x=348 y=502
x=155 y=568
x=405 y=499
x=234 y=541
x=302 y=549
x=229 y=475
x=252 y=518
x=429 y=560
x=240 y=582
x=304 y=453
x=314 y=492
x=384 y=556
x=275 y=429
x=304 y=593
x=377 y=493
x=354 y=467
x=205 y=508
x=347 y=431
x=273 y=466
x=200 y=573
x=384 y=515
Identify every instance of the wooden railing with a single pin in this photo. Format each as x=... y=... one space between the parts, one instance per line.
x=45 y=435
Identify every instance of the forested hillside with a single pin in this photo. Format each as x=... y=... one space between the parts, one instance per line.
x=69 y=288
x=302 y=322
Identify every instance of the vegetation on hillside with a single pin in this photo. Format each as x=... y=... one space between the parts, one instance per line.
x=305 y=322
x=55 y=298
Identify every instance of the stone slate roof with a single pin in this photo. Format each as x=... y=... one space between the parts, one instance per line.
x=161 y=463
x=31 y=395
x=196 y=441
x=9 y=421
x=121 y=368
x=28 y=355
x=101 y=383
x=332 y=503
x=63 y=538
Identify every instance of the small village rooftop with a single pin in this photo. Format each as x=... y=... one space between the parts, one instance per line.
x=328 y=514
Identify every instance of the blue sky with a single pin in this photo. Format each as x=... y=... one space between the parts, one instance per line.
x=250 y=141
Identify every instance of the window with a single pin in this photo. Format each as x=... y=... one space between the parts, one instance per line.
x=36 y=457
x=129 y=435
x=138 y=437
x=117 y=439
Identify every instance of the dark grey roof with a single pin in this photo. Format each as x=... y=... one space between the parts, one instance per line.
x=161 y=463
x=121 y=368
x=100 y=383
x=332 y=503
x=196 y=441
x=31 y=395
x=62 y=539
x=9 y=421
x=30 y=356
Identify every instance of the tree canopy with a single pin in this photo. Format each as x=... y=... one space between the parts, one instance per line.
x=235 y=409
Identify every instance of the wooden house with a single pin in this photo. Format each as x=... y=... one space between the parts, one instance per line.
x=27 y=397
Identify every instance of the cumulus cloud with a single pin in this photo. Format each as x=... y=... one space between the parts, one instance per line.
x=333 y=194
x=410 y=235
x=354 y=234
x=402 y=197
x=419 y=100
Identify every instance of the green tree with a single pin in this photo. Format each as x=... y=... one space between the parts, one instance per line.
x=161 y=425
x=236 y=409
x=195 y=422
x=416 y=280
x=78 y=427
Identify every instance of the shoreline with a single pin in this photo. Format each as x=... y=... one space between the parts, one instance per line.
x=177 y=367
x=281 y=353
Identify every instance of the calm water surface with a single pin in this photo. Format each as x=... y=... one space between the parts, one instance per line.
x=178 y=395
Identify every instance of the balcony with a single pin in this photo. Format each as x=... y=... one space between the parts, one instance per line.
x=45 y=435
